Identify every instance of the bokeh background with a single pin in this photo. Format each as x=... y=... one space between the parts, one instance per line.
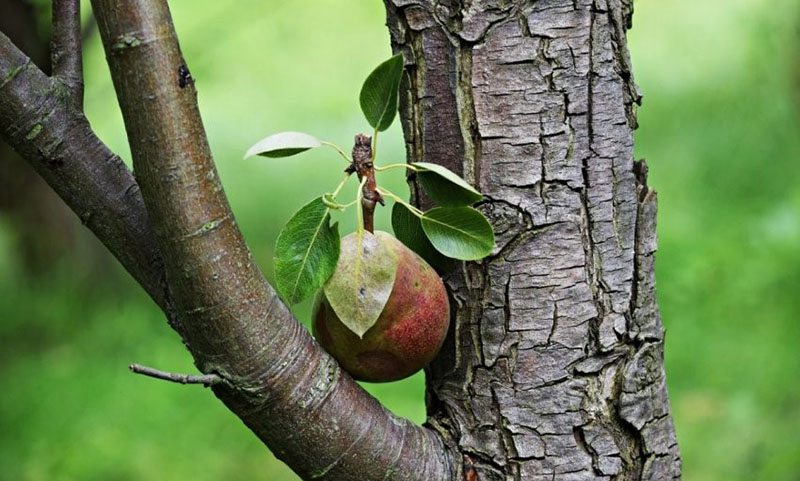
x=720 y=129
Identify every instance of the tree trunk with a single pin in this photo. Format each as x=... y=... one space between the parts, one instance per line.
x=554 y=369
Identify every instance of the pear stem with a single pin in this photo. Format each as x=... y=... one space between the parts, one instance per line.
x=364 y=167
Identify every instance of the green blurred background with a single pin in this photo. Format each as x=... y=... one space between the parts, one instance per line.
x=719 y=129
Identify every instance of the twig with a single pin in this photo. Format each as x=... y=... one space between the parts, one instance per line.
x=364 y=167
x=204 y=379
x=66 y=47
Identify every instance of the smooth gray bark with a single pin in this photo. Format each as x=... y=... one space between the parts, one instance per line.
x=555 y=366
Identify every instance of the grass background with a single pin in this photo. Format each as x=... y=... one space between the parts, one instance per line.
x=720 y=128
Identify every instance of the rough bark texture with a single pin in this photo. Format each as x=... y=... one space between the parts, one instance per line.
x=554 y=369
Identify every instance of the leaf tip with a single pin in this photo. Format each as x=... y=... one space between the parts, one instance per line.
x=250 y=153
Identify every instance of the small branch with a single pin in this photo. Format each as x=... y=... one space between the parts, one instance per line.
x=364 y=167
x=204 y=379
x=66 y=44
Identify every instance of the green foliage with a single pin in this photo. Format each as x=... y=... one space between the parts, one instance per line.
x=408 y=229
x=459 y=232
x=444 y=187
x=306 y=252
x=380 y=91
x=284 y=144
x=363 y=280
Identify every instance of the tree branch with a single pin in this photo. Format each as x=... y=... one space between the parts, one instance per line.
x=290 y=392
x=66 y=45
x=204 y=379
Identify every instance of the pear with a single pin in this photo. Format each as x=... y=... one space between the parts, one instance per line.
x=410 y=329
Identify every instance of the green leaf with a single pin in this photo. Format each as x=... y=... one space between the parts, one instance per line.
x=379 y=93
x=363 y=279
x=444 y=186
x=284 y=144
x=408 y=230
x=459 y=232
x=306 y=252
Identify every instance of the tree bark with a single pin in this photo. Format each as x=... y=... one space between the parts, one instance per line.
x=554 y=369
